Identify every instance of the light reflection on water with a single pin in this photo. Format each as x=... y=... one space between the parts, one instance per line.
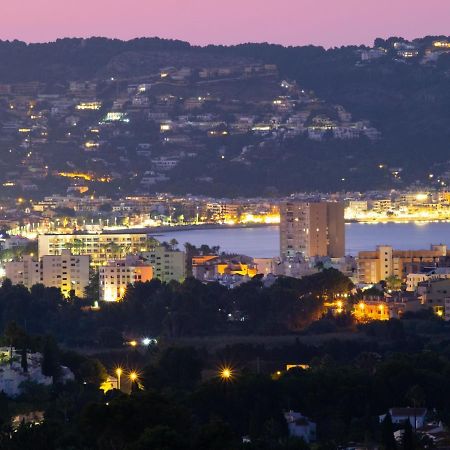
x=264 y=241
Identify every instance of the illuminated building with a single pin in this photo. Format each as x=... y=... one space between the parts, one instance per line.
x=114 y=116
x=441 y=44
x=414 y=279
x=435 y=295
x=168 y=264
x=385 y=262
x=368 y=310
x=312 y=229
x=115 y=276
x=65 y=271
x=92 y=106
x=101 y=247
x=24 y=272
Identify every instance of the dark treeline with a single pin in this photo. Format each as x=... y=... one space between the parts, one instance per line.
x=173 y=310
x=175 y=405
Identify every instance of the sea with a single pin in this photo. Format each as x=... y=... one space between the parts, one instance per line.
x=263 y=241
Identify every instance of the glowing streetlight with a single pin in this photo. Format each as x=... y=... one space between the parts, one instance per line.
x=133 y=343
x=226 y=373
x=133 y=376
x=118 y=373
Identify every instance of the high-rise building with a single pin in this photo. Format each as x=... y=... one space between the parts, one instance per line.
x=312 y=229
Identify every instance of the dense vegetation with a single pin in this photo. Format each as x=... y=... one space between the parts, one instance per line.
x=180 y=402
x=173 y=310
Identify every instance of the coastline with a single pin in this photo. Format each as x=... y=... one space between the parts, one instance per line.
x=216 y=226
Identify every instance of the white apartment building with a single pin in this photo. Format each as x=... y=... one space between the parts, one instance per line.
x=413 y=279
x=101 y=247
x=66 y=272
x=115 y=276
x=167 y=264
x=26 y=272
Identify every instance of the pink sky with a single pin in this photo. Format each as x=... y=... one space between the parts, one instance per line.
x=292 y=22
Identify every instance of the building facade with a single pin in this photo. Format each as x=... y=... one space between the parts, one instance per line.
x=115 y=276
x=385 y=262
x=168 y=264
x=26 y=272
x=67 y=272
x=312 y=229
x=101 y=247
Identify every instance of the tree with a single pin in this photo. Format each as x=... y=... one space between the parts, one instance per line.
x=408 y=438
x=173 y=244
x=50 y=366
x=92 y=290
x=179 y=368
x=393 y=283
x=15 y=336
x=24 y=360
x=387 y=433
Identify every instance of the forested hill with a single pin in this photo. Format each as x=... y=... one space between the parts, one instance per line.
x=401 y=87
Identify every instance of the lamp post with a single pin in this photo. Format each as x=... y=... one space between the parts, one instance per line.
x=119 y=373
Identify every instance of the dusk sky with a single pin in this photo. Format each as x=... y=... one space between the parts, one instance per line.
x=292 y=22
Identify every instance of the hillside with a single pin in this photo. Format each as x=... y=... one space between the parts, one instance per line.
x=250 y=119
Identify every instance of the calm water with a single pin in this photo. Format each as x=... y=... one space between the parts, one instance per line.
x=263 y=242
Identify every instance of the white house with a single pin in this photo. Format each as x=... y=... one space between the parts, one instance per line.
x=416 y=416
x=12 y=374
x=300 y=426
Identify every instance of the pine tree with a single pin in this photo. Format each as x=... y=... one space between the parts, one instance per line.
x=24 y=360
x=408 y=438
x=387 y=433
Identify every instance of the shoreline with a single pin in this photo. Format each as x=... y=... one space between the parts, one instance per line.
x=218 y=226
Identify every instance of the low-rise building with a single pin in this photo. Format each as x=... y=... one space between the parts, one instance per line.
x=300 y=426
x=385 y=262
x=434 y=294
x=414 y=279
x=368 y=310
x=415 y=416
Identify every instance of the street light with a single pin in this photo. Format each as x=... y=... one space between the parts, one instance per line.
x=133 y=376
x=119 y=373
x=226 y=373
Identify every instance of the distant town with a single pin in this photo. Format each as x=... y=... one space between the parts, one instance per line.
x=119 y=331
